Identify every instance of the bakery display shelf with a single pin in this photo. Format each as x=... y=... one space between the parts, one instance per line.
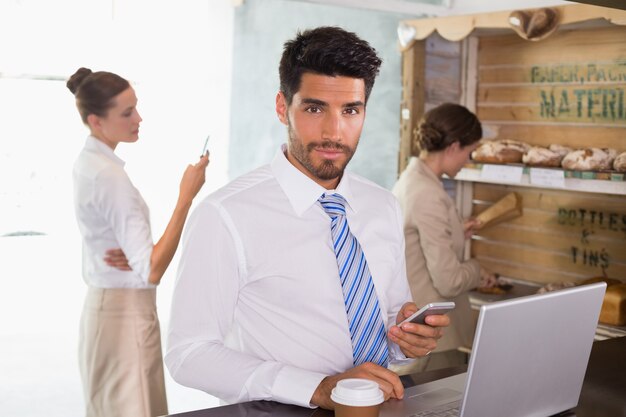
x=521 y=288
x=605 y=182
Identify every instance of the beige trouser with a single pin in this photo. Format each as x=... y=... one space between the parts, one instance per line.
x=120 y=357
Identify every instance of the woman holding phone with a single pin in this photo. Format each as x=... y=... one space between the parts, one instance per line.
x=435 y=233
x=120 y=342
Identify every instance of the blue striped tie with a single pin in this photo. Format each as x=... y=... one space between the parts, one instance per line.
x=367 y=330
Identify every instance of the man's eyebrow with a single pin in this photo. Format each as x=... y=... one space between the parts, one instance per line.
x=358 y=103
x=314 y=101
x=322 y=103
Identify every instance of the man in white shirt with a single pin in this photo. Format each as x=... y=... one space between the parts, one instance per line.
x=258 y=311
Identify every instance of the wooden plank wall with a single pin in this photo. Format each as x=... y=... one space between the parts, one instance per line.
x=412 y=105
x=443 y=71
x=568 y=89
x=562 y=235
x=431 y=75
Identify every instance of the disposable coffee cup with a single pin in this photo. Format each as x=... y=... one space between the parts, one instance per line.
x=357 y=397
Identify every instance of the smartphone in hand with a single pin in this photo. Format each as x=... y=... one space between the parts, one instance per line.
x=429 y=309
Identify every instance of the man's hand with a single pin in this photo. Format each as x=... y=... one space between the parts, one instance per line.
x=388 y=381
x=117 y=259
x=417 y=340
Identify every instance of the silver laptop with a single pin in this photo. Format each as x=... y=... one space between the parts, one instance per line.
x=529 y=358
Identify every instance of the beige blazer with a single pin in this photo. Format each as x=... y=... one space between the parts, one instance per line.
x=435 y=239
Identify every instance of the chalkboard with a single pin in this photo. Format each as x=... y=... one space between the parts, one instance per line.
x=261 y=28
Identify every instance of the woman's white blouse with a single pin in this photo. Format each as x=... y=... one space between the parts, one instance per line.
x=111 y=214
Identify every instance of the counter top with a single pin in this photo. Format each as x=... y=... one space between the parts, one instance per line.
x=602 y=393
x=521 y=288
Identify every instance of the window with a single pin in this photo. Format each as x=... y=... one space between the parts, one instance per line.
x=182 y=98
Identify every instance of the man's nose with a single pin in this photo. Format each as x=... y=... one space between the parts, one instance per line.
x=331 y=129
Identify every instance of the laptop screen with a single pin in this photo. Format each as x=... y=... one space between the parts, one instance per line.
x=529 y=358
x=530 y=354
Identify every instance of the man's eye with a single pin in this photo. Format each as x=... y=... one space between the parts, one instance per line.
x=313 y=109
x=351 y=110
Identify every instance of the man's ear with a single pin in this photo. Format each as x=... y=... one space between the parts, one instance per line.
x=281 y=108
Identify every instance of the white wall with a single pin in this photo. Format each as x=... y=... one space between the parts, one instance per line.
x=256 y=132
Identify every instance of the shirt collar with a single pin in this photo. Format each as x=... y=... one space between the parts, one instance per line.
x=422 y=168
x=96 y=145
x=301 y=190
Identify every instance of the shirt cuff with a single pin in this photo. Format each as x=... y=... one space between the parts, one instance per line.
x=296 y=386
x=141 y=264
x=396 y=356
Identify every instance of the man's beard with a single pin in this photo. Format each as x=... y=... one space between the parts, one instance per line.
x=328 y=169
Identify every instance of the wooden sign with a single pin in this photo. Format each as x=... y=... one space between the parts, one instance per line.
x=568 y=89
x=562 y=236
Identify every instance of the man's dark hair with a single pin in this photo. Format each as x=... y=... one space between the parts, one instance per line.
x=328 y=51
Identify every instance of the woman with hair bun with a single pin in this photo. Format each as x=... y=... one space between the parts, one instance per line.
x=435 y=233
x=120 y=357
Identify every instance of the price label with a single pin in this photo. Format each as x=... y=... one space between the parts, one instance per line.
x=547 y=177
x=502 y=173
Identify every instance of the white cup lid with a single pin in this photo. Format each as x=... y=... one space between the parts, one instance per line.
x=357 y=392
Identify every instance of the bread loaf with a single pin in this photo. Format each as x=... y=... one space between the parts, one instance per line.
x=619 y=164
x=507 y=208
x=612 y=153
x=542 y=157
x=588 y=159
x=614 y=305
x=500 y=151
x=560 y=149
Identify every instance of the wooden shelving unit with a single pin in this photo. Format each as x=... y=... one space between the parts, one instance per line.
x=566 y=89
x=612 y=183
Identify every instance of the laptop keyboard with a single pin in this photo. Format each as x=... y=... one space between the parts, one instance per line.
x=450 y=411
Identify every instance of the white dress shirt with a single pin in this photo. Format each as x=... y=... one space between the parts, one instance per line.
x=258 y=310
x=111 y=214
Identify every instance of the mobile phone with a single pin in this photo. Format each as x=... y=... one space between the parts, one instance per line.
x=429 y=309
x=206 y=142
